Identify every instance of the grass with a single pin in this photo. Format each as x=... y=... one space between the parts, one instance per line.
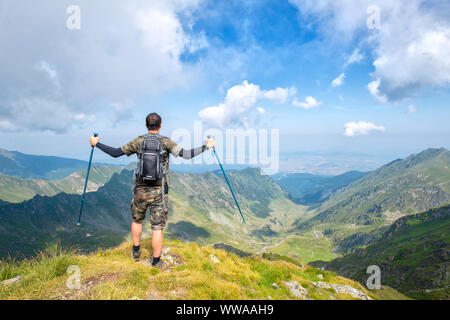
x=306 y=249
x=112 y=274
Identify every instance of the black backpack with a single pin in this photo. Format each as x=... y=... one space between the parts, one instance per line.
x=150 y=166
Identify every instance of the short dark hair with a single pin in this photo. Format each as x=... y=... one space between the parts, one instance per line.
x=153 y=121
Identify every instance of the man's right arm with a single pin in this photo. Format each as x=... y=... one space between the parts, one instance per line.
x=128 y=149
x=113 y=152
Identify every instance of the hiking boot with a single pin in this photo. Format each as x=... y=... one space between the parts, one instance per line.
x=162 y=265
x=136 y=254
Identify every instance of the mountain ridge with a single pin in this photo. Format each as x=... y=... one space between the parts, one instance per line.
x=417 y=183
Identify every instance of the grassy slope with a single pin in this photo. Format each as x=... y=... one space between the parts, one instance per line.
x=14 y=190
x=412 y=255
x=306 y=249
x=112 y=274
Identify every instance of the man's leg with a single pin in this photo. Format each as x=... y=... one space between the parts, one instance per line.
x=157 y=242
x=136 y=232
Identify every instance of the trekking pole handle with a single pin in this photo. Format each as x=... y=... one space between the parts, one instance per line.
x=95 y=134
x=209 y=137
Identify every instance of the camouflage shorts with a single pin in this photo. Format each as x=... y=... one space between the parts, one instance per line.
x=149 y=197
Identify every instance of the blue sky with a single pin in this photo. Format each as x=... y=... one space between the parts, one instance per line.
x=180 y=58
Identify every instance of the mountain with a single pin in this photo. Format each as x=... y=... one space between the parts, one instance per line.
x=195 y=272
x=35 y=224
x=310 y=189
x=14 y=189
x=201 y=209
x=26 y=166
x=358 y=213
x=413 y=256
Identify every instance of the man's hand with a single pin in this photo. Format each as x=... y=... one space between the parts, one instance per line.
x=93 y=140
x=210 y=143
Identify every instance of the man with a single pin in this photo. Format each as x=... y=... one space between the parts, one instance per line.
x=148 y=194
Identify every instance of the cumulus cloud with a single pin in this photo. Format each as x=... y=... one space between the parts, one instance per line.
x=124 y=49
x=239 y=104
x=310 y=102
x=339 y=81
x=361 y=128
x=411 y=49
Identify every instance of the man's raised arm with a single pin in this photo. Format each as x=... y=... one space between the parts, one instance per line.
x=189 y=154
x=113 y=152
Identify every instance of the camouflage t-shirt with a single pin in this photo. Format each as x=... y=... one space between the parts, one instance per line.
x=134 y=147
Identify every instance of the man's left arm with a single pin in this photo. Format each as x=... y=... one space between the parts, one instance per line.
x=177 y=151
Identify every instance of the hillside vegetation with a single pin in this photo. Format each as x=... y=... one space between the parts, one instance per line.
x=413 y=256
x=195 y=272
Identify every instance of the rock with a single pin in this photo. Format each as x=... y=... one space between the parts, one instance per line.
x=320 y=276
x=342 y=288
x=165 y=251
x=355 y=293
x=169 y=258
x=321 y=285
x=275 y=286
x=214 y=259
x=296 y=289
x=11 y=281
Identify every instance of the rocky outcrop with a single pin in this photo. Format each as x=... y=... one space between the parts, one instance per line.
x=343 y=288
x=296 y=289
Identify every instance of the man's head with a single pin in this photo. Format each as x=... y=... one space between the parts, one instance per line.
x=153 y=122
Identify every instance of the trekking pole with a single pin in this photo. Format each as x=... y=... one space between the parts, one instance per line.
x=85 y=183
x=228 y=182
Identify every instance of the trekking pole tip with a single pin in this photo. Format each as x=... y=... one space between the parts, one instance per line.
x=78 y=223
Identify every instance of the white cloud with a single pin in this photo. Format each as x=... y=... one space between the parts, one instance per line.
x=355 y=57
x=310 y=102
x=411 y=49
x=411 y=109
x=361 y=128
x=374 y=90
x=261 y=110
x=239 y=104
x=279 y=95
x=338 y=81
x=123 y=49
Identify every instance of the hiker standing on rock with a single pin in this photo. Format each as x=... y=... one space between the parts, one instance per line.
x=152 y=173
